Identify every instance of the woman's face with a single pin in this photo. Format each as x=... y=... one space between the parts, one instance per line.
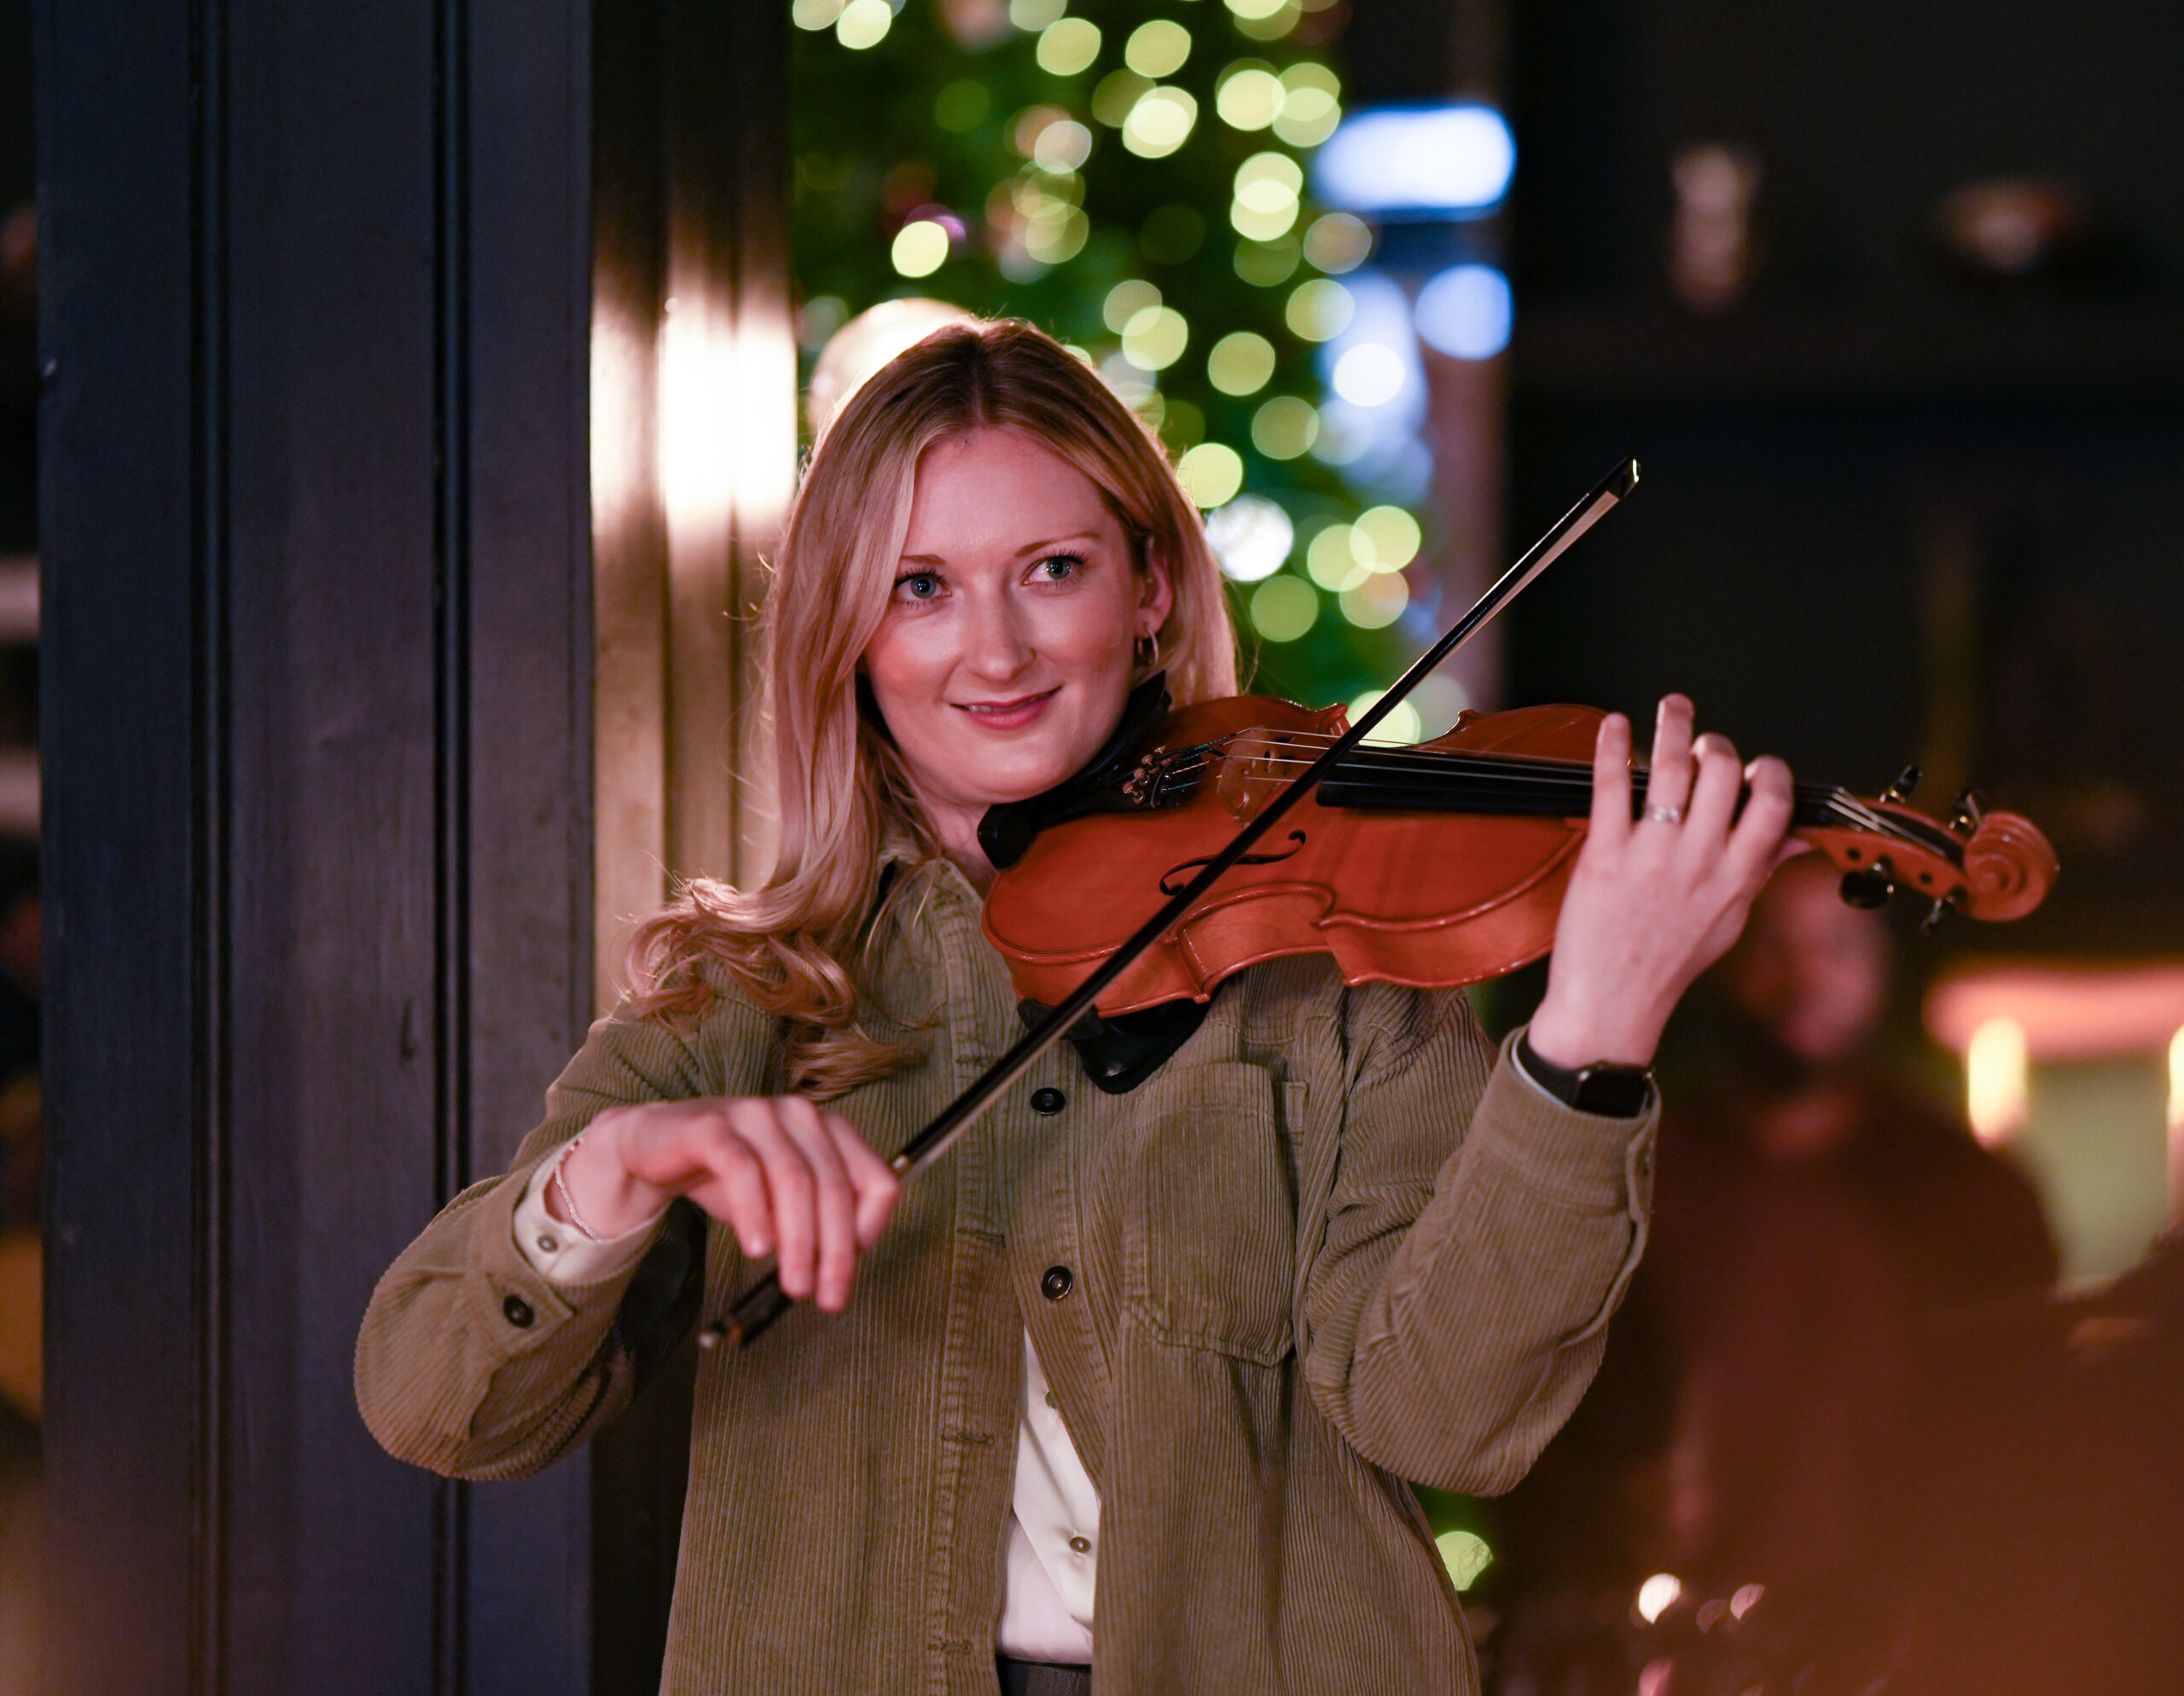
x=1006 y=653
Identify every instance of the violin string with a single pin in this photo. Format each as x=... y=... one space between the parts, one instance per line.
x=1387 y=757
x=1508 y=775
x=1401 y=758
x=1393 y=757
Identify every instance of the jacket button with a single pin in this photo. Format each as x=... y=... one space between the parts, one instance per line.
x=1053 y=1283
x=1081 y=1545
x=1048 y=1102
x=518 y=1312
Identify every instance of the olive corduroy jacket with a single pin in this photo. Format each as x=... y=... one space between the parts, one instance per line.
x=1333 y=1244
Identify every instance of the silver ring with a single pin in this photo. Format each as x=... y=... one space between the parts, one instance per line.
x=1665 y=815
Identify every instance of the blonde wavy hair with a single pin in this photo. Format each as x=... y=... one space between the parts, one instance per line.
x=843 y=795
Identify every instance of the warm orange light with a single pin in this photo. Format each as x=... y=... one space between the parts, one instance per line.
x=1658 y=1594
x=697 y=413
x=2176 y=1127
x=620 y=429
x=1995 y=1088
x=2068 y=1011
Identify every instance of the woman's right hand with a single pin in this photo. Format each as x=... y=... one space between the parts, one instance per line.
x=789 y=1177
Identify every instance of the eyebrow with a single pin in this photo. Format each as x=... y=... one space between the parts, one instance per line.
x=1028 y=548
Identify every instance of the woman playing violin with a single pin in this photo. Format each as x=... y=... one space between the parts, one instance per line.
x=1129 y=1381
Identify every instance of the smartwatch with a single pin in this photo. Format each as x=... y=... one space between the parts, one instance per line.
x=1618 y=1092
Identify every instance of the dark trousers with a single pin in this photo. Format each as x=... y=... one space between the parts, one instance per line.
x=1037 y=1678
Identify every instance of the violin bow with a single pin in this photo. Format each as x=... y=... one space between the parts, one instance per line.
x=765 y=1301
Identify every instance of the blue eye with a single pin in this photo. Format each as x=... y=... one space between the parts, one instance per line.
x=1060 y=567
x=920 y=585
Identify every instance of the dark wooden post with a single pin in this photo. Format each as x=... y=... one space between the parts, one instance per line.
x=316 y=534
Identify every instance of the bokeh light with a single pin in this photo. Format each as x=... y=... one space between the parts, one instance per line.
x=1240 y=362
x=1029 y=125
x=1338 y=242
x=1402 y=724
x=1311 y=109
x=1033 y=16
x=1159 y=123
x=1265 y=19
x=1283 y=608
x=1465 y=312
x=1285 y=427
x=1376 y=603
x=863 y=23
x=1465 y=1553
x=1383 y=444
x=1056 y=233
x=1451 y=160
x=1996 y=1070
x=1658 y=1594
x=814 y=14
x=1387 y=538
x=1268 y=264
x=1331 y=561
x=1269 y=185
x=1115 y=94
x=920 y=248
x=1155 y=337
x=1125 y=301
x=1211 y=473
x=1249 y=95
x=1062 y=146
x=1369 y=375
x=1319 y=309
x=1251 y=537
x=1440 y=700
x=1066 y=46
x=1157 y=49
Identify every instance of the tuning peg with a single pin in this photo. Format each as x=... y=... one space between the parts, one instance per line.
x=1967 y=810
x=1869 y=887
x=1906 y=781
x=1941 y=908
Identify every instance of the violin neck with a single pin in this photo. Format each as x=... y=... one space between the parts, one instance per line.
x=1394 y=781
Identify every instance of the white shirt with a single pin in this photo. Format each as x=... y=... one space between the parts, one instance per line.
x=1053 y=1536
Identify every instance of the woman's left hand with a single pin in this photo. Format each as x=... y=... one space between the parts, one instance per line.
x=1653 y=903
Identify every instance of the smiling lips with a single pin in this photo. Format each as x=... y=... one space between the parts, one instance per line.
x=1008 y=714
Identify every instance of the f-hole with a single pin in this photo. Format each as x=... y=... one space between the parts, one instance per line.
x=1172 y=881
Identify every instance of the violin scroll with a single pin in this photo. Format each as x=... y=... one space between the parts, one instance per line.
x=2009 y=867
x=1994 y=866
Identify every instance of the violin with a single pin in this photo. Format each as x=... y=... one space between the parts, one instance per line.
x=1430 y=866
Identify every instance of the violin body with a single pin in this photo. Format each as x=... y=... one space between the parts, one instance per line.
x=1429 y=867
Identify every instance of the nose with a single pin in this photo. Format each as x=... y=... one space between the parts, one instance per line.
x=997 y=642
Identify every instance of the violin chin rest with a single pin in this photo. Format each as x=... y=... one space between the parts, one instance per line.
x=1120 y=1053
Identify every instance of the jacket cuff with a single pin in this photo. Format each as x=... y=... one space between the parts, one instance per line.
x=1596 y=1163
x=568 y=1257
x=514 y=1306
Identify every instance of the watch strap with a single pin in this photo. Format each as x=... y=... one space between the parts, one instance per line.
x=1611 y=1091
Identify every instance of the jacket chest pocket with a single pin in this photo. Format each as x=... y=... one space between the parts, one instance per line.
x=1212 y=1229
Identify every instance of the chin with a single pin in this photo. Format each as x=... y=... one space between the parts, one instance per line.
x=1022 y=784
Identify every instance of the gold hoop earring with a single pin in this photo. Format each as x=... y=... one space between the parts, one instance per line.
x=1148 y=651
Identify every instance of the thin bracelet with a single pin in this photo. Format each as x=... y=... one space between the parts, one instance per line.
x=569 y=1201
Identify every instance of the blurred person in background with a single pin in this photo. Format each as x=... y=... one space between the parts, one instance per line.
x=1747 y=1446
